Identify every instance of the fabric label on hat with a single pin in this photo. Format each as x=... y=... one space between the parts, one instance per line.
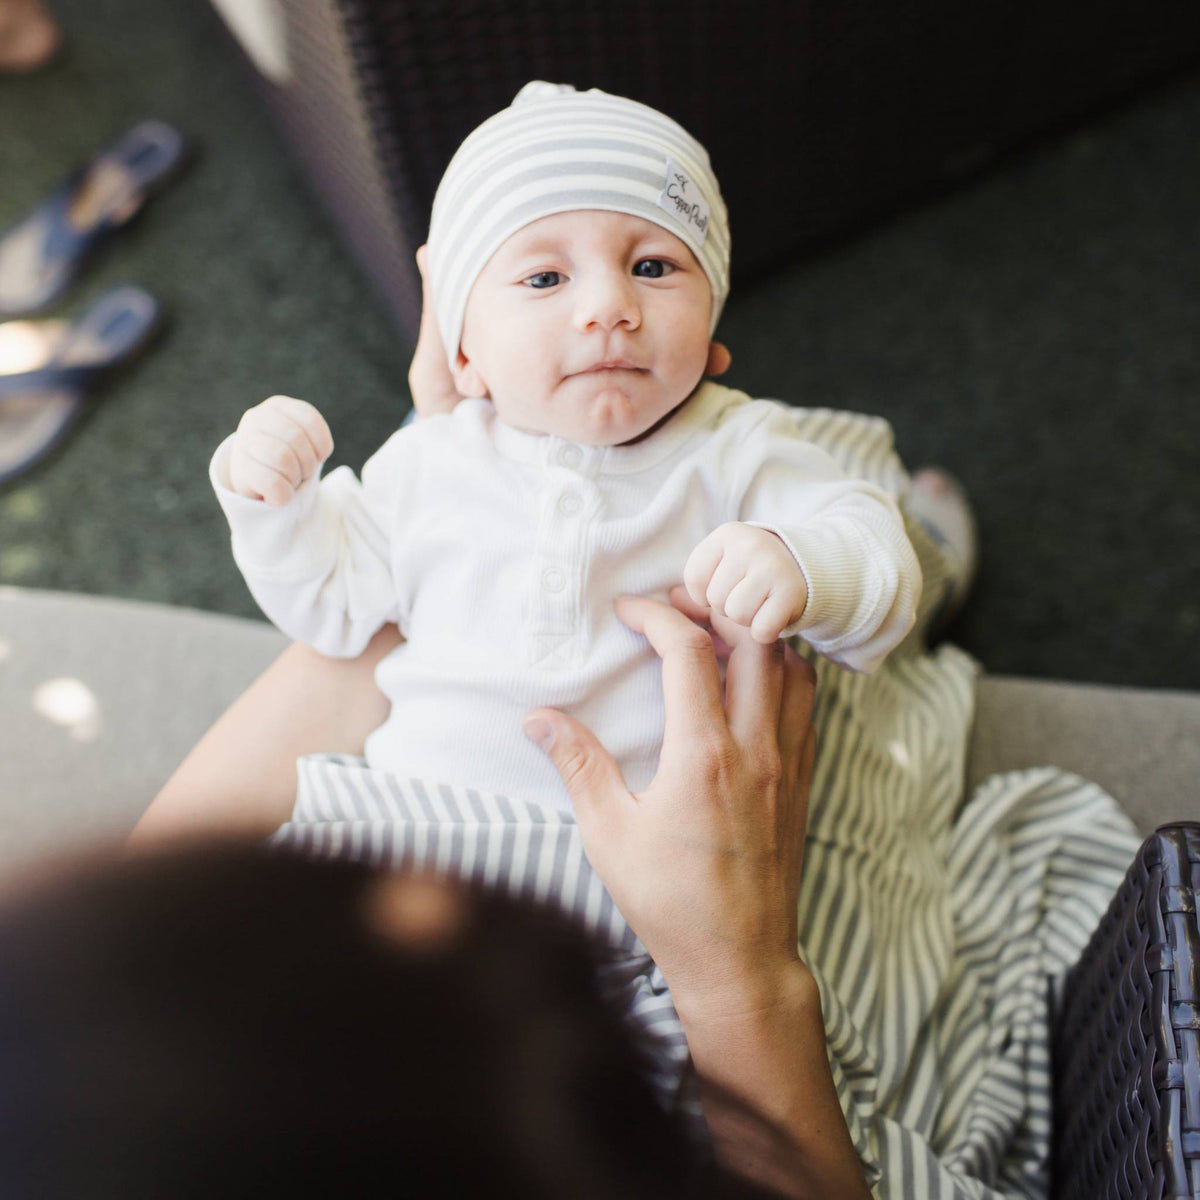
x=682 y=198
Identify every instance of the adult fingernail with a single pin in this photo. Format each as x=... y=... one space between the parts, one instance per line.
x=539 y=731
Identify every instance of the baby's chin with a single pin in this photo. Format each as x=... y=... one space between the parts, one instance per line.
x=612 y=418
x=602 y=416
x=652 y=428
x=620 y=433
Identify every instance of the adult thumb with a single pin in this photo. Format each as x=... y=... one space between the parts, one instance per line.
x=586 y=767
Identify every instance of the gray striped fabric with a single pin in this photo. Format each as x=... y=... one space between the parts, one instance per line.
x=939 y=934
x=557 y=150
x=346 y=809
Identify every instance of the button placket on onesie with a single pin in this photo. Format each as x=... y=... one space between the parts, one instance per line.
x=556 y=623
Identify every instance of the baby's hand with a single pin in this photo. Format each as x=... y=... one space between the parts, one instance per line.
x=749 y=575
x=278 y=445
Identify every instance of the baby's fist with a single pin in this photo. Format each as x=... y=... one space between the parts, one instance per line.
x=278 y=445
x=748 y=574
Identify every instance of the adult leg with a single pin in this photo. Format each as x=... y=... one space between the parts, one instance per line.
x=240 y=778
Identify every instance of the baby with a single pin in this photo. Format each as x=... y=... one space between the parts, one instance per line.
x=578 y=261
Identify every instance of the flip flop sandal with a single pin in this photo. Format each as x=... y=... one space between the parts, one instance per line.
x=42 y=252
x=48 y=367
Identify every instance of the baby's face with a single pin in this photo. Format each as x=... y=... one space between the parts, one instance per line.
x=589 y=325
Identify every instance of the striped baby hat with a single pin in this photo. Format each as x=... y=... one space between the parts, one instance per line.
x=558 y=150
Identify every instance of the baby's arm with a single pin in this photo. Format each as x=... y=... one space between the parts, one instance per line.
x=813 y=552
x=315 y=553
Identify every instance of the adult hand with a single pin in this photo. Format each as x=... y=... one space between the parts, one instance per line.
x=705 y=866
x=429 y=380
x=705 y=863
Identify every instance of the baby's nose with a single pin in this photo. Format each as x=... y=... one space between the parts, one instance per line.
x=608 y=301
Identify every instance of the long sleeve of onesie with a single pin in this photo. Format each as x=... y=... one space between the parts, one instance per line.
x=847 y=536
x=320 y=566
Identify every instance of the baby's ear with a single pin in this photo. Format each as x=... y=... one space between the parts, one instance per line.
x=719 y=359
x=467 y=379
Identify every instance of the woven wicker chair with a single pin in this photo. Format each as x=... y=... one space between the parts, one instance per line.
x=837 y=113
x=1127 y=1043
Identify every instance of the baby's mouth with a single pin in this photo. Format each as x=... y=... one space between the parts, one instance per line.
x=614 y=364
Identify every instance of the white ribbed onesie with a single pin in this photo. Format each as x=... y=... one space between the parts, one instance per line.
x=499 y=553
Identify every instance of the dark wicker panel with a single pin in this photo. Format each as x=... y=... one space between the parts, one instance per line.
x=1127 y=1042
x=817 y=116
x=329 y=114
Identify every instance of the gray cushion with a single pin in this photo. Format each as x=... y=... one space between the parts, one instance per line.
x=158 y=677
x=101 y=699
x=1141 y=745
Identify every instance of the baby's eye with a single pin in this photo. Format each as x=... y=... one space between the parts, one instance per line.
x=652 y=268
x=543 y=279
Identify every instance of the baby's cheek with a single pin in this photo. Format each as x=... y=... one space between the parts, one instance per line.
x=690 y=350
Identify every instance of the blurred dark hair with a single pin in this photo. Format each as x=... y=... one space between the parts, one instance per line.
x=220 y=1022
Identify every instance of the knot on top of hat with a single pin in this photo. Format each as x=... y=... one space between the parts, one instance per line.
x=539 y=89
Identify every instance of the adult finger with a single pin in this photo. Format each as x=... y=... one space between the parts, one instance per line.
x=798 y=773
x=591 y=774
x=701 y=615
x=797 y=734
x=429 y=379
x=753 y=683
x=691 y=682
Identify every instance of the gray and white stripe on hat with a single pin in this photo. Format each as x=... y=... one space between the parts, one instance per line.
x=558 y=150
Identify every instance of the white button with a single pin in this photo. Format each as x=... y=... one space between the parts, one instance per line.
x=570 y=456
x=569 y=504
x=553 y=580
